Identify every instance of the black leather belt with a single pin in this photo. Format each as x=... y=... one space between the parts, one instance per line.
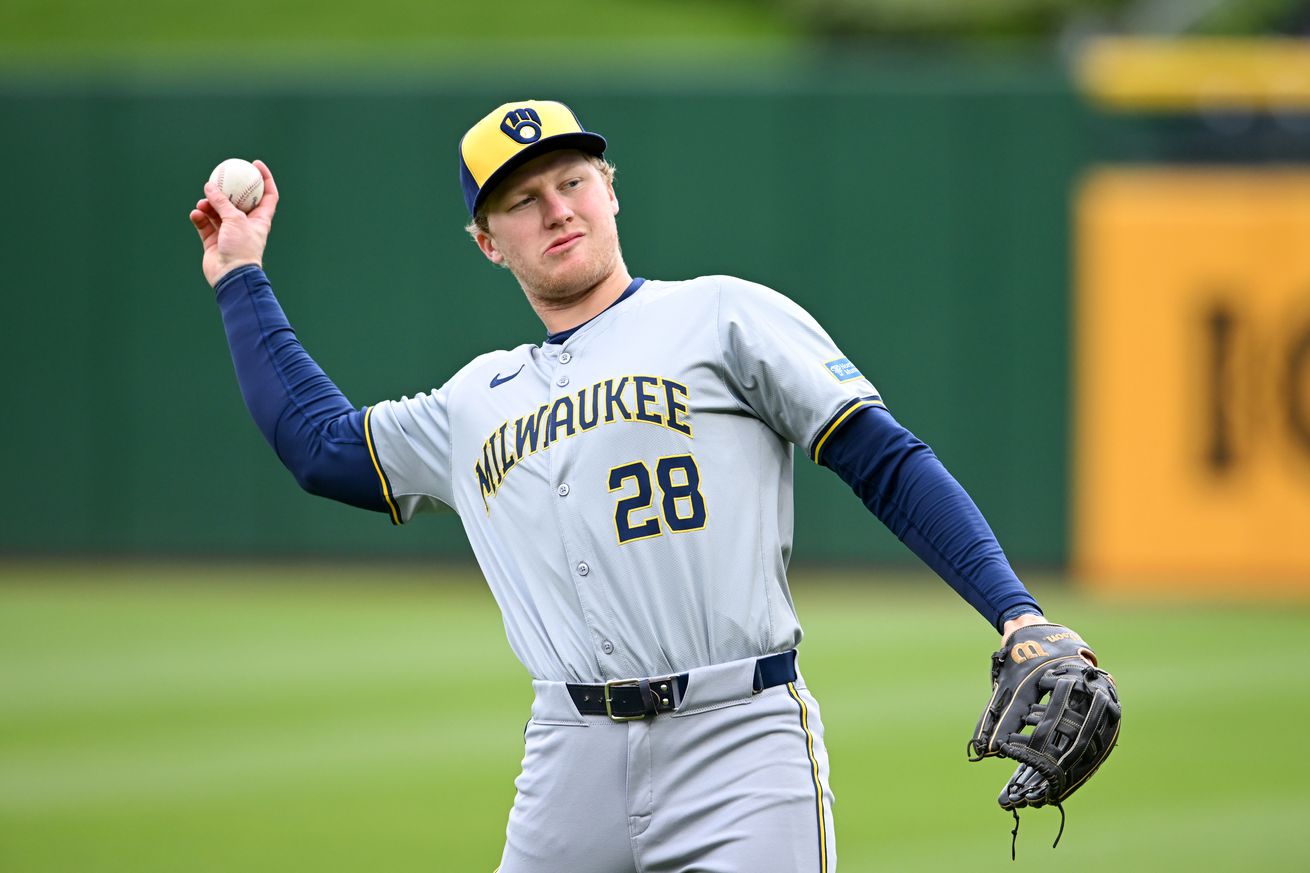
x=632 y=699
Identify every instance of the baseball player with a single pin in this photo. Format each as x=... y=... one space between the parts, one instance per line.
x=626 y=487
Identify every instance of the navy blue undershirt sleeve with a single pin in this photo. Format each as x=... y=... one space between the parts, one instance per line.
x=901 y=481
x=309 y=423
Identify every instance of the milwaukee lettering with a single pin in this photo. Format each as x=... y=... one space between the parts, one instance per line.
x=651 y=400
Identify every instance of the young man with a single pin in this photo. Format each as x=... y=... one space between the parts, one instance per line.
x=626 y=488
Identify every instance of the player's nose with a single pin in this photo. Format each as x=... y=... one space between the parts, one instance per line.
x=555 y=209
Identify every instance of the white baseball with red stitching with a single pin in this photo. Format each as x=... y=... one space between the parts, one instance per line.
x=240 y=181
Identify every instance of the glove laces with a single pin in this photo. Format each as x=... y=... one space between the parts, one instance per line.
x=1014 y=834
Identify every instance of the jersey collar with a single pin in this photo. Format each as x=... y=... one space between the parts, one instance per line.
x=560 y=337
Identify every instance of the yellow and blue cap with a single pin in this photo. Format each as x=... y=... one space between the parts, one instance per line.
x=512 y=135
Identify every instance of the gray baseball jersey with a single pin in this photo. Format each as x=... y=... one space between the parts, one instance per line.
x=628 y=492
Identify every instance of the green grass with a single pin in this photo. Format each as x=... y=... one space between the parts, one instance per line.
x=297 y=718
x=482 y=39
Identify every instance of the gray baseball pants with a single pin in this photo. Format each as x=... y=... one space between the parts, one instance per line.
x=731 y=782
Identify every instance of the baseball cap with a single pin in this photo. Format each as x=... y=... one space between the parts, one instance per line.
x=510 y=136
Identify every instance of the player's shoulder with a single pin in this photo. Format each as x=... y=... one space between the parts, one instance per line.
x=712 y=289
x=740 y=300
x=728 y=302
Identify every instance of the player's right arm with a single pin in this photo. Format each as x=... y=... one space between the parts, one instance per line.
x=309 y=423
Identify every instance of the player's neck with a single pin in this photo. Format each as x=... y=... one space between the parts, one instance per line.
x=561 y=315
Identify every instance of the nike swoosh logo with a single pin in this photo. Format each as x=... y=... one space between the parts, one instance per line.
x=499 y=380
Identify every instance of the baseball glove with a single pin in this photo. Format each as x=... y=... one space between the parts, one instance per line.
x=1072 y=732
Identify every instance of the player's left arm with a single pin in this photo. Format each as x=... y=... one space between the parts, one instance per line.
x=784 y=368
x=1044 y=676
x=902 y=482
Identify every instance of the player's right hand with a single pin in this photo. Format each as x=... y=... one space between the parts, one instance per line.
x=230 y=237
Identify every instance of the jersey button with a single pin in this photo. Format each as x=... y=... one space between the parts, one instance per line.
x=565 y=357
x=563 y=489
x=607 y=647
x=583 y=569
x=562 y=381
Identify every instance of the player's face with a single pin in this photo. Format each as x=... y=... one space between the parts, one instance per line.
x=552 y=222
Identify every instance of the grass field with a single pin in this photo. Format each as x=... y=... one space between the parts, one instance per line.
x=289 y=32
x=293 y=718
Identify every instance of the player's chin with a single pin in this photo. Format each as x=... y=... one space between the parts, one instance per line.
x=573 y=273
x=569 y=265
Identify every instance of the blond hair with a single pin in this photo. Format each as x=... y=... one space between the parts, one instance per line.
x=479 y=224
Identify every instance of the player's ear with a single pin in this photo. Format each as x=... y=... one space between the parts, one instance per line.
x=488 y=246
x=614 y=198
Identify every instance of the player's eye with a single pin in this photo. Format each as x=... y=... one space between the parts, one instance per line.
x=571 y=183
x=520 y=203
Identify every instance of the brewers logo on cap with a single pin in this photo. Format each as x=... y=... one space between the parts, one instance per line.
x=523 y=125
x=512 y=135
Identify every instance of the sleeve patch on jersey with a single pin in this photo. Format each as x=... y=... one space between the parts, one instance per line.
x=842 y=370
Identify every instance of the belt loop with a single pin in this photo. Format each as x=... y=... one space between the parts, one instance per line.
x=649 y=699
x=757 y=683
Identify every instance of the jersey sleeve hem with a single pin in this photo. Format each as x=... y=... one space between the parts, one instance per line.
x=844 y=412
x=392 y=509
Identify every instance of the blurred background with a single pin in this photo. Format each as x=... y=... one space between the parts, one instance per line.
x=1066 y=240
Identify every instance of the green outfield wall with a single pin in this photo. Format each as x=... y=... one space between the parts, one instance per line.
x=920 y=214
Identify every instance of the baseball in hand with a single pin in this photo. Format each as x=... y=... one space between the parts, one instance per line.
x=240 y=181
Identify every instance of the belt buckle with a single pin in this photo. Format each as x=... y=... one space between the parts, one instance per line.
x=609 y=703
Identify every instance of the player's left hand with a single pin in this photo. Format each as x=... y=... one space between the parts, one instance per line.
x=1073 y=731
x=230 y=237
